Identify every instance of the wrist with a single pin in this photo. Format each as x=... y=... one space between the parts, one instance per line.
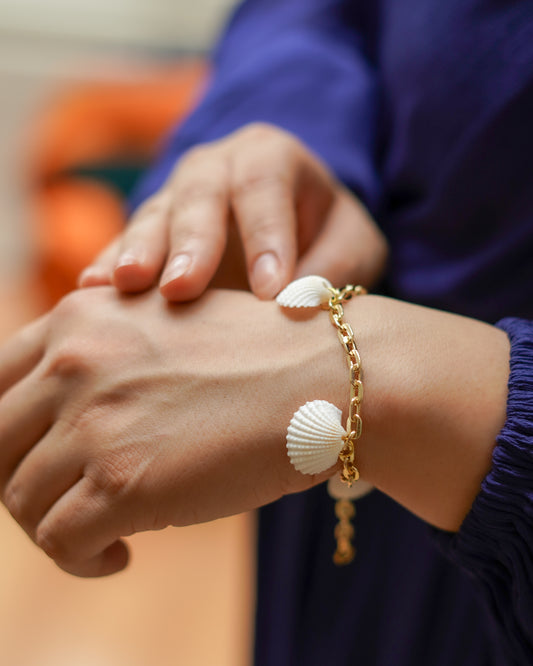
x=434 y=397
x=435 y=400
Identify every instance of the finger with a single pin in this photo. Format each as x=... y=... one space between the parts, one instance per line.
x=113 y=559
x=45 y=473
x=81 y=533
x=26 y=413
x=198 y=224
x=315 y=191
x=21 y=353
x=262 y=198
x=143 y=247
x=349 y=249
x=100 y=272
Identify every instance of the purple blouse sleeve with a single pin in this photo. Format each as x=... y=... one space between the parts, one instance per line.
x=300 y=65
x=495 y=543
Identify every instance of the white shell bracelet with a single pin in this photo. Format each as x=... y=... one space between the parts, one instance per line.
x=316 y=438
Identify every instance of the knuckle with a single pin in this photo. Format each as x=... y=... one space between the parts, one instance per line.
x=204 y=158
x=260 y=180
x=112 y=475
x=74 y=325
x=68 y=360
x=196 y=155
x=86 y=423
x=70 y=305
x=76 y=306
x=261 y=131
x=50 y=540
x=197 y=191
x=13 y=501
x=261 y=226
x=155 y=206
x=276 y=144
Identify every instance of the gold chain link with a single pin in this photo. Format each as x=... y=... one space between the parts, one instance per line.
x=344 y=508
x=354 y=423
x=344 y=532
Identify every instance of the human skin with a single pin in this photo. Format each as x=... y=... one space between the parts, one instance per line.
x=259 y=188
x=123 y=414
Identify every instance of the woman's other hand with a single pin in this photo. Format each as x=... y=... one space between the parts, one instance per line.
x=259 y=187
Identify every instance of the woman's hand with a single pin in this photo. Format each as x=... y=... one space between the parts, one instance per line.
x=292 y=217
x=126 y=414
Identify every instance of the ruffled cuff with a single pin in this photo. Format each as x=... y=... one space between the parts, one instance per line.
x=495 y=542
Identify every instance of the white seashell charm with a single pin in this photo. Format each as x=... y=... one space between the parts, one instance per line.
x=315 y=437
x=307 y=292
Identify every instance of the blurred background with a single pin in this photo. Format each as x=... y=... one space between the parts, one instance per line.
x=88 y=90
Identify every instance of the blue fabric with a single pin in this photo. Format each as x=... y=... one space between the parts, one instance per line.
x=424 y=109
x=456 y=167
x=495 y=541
x=287 y=63
x=400 y=602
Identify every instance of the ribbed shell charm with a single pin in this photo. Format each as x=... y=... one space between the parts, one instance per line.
x=315 y=437
x=307 y=292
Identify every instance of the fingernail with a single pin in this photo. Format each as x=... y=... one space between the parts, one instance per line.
x=266 y=275
x=177 y=267
x=128 y=258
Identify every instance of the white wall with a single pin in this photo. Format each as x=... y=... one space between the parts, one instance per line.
x=189 y=24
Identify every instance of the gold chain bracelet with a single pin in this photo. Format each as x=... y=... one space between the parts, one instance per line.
x=354 y=422
x=315 y=437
